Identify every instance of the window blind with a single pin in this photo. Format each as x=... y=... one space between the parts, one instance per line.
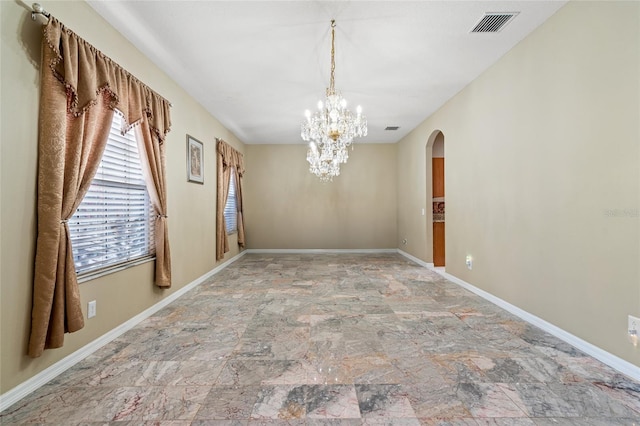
x=230 y=209
x=114 y=223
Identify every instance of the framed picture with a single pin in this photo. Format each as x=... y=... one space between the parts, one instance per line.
x=195 y=160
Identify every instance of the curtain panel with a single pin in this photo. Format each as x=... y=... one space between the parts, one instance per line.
x=80 y=88
x=228 y=159
x=152 y=160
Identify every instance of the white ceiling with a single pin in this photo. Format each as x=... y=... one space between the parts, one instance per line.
x=257 y=65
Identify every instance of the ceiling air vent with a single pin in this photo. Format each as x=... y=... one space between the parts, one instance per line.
x=392 y=127
x=493 y=22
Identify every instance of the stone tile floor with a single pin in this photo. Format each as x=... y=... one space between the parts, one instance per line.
x=331 y=339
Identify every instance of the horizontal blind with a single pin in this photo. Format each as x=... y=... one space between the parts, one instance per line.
x=114 y=223
x=230 y=209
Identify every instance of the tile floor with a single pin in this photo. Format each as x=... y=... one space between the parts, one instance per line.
x=333 y=340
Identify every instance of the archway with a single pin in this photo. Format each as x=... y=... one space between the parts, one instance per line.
x=436 y=196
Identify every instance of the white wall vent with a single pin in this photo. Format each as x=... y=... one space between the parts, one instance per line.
x=493 y=22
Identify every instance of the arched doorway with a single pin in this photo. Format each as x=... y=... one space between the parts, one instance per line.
x=436 y=194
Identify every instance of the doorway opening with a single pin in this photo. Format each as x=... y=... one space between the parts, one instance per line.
x=438 y=197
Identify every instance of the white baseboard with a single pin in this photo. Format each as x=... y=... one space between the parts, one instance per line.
x=415 y=259
x=312 y=251
x=609 y=359
x=16 y=394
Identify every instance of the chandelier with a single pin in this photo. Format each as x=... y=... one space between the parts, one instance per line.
x=330 y=131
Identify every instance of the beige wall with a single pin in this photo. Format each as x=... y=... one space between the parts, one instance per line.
x=287 y=207
x=122 y=295
x=542 y=175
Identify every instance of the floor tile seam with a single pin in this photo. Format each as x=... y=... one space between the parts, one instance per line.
x=260 y=388
x=601 y=392
x=127 y=419
x=608 y=418
x=146 y=386
x=272 y=419
x=540 y=351
x=557 y=396
x=522 y=409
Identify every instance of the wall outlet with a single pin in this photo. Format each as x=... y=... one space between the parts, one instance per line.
x=634 y=326
x=91 y=309
x=404 y=242
x=469 y=262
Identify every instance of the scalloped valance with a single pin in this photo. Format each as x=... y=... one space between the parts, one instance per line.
x=86 y=73
x=230 y=156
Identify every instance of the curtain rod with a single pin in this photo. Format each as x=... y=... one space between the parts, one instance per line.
x=38 y=10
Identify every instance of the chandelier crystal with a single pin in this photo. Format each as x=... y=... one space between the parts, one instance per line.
x=330 y=131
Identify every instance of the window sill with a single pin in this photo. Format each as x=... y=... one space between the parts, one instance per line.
x=92 y=275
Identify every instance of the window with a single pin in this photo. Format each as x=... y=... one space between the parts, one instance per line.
x=230 y=209
x=114 y=223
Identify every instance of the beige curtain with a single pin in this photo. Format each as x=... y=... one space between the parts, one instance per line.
x=152 y=160
x=227 y=160
x=80 y=87
x=224 y=178
x=238 y=175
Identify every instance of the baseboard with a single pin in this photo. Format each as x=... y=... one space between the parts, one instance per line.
x=16 y=394
x=415 y=259
x=624 y=367
x=312 y=251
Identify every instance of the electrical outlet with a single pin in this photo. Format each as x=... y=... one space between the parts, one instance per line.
x=91 y=309
x=404 y=242
x=469 y=262
x=634 y=326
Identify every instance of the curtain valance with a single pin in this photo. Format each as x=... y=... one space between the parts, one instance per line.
x=86 y=73
x=230 y=156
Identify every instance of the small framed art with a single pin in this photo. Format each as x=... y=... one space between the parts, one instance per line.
x=195 y=160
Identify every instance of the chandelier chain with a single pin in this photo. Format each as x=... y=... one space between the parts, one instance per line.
x=332 y=80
